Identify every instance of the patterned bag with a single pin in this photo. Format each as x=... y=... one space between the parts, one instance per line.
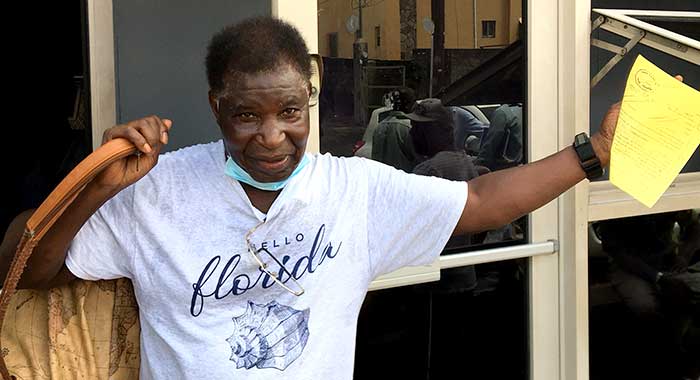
x=83 y=330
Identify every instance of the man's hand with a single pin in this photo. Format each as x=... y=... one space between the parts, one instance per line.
x=602 y=140
x=148 y=134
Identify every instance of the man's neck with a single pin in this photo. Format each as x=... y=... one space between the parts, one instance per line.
x=261 y=199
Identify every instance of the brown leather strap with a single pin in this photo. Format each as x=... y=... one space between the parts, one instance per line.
x=46 y=215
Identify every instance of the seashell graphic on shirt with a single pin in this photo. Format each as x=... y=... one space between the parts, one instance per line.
x=268 y=336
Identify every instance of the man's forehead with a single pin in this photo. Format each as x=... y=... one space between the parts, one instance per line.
x=273 y=87
x=269 y=85
x=277 y=94
x=285 y=76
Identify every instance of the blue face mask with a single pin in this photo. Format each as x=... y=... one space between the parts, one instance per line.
x=236 y=172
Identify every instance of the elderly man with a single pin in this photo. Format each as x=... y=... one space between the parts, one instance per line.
x=250 y=258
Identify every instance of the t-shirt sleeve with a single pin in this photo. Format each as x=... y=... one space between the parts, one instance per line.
x=102 y=250
x=410 y=217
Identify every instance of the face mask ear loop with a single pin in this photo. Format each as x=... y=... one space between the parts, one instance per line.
x=226 y=152
x=227 y=155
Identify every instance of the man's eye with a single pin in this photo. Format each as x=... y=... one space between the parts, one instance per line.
x=290 y=112
x=246 y=117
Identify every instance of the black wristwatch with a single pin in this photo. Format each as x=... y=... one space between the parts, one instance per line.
x=586 y=155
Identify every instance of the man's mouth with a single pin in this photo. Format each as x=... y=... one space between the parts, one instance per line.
x=273 y=164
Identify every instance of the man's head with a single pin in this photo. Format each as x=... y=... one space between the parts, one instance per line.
x=403 y=99
x=255 y=45
x=432 y=130
x=259 y=86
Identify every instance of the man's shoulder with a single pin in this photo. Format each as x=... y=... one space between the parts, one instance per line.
x=183 y=162
x=398 y=119
x=350 y=168
x=194 y=152
x=328 y=161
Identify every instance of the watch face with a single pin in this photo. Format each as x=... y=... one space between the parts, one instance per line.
x=580 y=139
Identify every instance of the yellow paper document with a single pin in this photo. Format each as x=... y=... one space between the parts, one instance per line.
x=657 y=131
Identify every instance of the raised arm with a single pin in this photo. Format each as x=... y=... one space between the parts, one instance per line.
x=497 y=198
x=500 y=197
x=46 y=267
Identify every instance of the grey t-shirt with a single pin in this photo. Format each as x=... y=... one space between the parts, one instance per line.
x=207 y=311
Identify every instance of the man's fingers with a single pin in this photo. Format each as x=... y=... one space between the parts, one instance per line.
x=150 y=129
x=136 y=138
x=147 y=133
x=106 y=136
x=165 y=130
x=679 y=77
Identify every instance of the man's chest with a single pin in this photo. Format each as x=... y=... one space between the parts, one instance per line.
x=194 y=269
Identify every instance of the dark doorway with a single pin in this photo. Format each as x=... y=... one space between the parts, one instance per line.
x=51 y=131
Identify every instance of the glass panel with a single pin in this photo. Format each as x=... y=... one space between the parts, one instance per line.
x=611 y=88
x=429 y=87
x=434 y=88
x=467 y=326
x=644 y=289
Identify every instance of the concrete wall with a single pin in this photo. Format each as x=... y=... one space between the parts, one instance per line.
x=459 y=22
x=159 y=51
x=459 y=25
x=332 y=18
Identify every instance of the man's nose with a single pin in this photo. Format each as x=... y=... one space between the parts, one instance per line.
x=271 y=133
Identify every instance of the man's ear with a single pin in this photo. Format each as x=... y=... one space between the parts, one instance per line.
x=316 y=78
x=214 y=105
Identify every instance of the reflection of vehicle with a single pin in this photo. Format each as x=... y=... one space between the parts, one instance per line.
x=363 y=148
x=470 y=125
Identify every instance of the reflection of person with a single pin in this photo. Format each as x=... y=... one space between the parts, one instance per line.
x=448 y=300
x=433 y=137
x=503 y=145
x=651 y=270
x=193 y=228
x=433 y=128
x=391 y=143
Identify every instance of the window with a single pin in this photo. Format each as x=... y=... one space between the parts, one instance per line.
x=469 y=323
x=485 y=117
x=333 y=44
x=488 y=29
x=673 y=61
x=479 y=128
x=641 y=327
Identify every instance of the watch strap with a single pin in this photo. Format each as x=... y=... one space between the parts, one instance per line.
x=587 y=157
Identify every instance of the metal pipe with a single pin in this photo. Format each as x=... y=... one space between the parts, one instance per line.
x=498 y=254
x=432 y=43
x=476 y=40
x=360 y=18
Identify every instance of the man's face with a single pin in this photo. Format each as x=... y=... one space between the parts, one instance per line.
x=264 y=119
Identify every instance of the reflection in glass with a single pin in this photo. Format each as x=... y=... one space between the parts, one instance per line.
x=610 y=89
x=645 y=296
x=383 y=58
x=433 y=87
x=452 y=329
